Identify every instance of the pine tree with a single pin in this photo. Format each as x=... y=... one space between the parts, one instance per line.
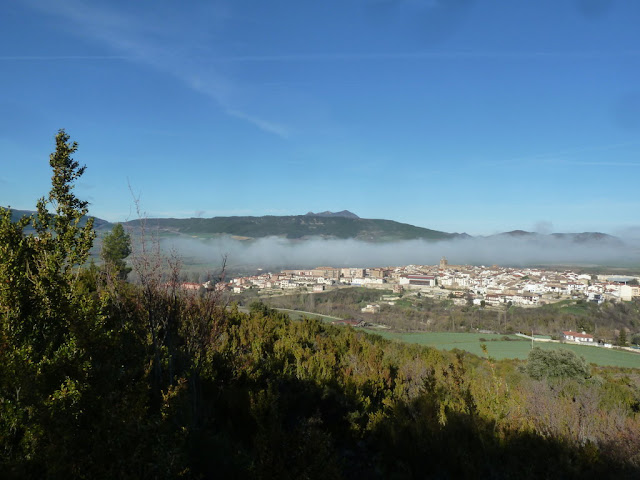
x=116 y=247
x=622 y=337
x=44 y=322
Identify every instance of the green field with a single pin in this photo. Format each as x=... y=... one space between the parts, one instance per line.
x=520 y=348
x=497 y=347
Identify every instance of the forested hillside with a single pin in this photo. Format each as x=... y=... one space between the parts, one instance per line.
x=297 y=226
x=101 y=378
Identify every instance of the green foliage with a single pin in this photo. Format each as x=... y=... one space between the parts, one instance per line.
x=72 y=357
x=556 y=364
x=622 y=338
x=116 y=247
x=45 y=323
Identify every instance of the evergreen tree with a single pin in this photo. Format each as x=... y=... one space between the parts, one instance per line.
x=44 y=323
x=116 y=247
x=622 y=337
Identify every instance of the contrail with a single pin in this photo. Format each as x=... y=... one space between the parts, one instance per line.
x=303 y=57
x=62 y=57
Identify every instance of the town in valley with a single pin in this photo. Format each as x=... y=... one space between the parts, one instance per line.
x=488 y=287
x=492 y=285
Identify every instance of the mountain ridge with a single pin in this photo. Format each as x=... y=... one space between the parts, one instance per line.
x=298 y=227
x=339 y=225
x=98 y=223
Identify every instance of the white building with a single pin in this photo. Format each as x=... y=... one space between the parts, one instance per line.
x=577 y=337
x=627 y=292
x=418 y=280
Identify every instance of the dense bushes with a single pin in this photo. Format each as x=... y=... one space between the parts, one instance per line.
x=556 y=364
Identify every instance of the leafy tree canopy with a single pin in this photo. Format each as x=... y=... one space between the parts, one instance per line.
x=556 y=364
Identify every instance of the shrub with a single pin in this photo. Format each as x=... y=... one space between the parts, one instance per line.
x=556 y=364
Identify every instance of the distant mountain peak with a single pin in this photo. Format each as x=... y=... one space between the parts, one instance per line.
x=518 y=233
x=343 y=213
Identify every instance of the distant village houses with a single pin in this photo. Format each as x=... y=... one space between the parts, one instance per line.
x=490 y=286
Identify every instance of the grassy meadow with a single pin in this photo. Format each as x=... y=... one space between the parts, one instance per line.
x=497 y=345
x=515 y=347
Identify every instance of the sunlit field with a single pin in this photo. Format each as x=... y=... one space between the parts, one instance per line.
x=515 y=347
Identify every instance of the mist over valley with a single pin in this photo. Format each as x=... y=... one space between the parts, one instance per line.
x=343 y=239
x=277 y=252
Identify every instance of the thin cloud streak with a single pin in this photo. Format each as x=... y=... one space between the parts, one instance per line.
x=604 y=164
x=62 y=57
x=307 y=57
x=320 y=57
x=148 y=44
x=269 y=127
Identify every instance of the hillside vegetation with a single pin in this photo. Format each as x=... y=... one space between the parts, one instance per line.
x=100 y=378
x=418 y=313
x=298 y=226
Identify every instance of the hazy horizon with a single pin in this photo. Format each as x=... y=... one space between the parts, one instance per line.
x=271 y=252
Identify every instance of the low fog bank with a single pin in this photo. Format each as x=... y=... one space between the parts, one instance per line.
x=274 y=252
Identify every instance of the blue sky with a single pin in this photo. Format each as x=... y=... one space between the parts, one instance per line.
x=456 y=115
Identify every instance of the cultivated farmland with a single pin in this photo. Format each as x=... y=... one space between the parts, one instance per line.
x=500 y=348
